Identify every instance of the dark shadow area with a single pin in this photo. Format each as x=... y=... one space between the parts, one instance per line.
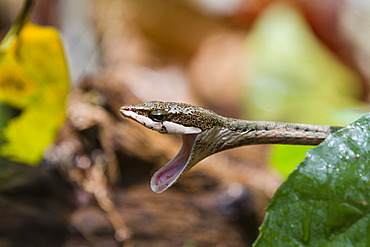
x=35 y=206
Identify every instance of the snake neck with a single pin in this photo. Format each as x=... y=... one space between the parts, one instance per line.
x=231 y=133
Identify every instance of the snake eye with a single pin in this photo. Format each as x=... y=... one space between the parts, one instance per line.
x=158 y=115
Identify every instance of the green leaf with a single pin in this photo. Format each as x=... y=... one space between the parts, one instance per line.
x=326 y=200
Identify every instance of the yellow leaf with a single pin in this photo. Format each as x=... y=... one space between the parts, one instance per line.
x=33 y=78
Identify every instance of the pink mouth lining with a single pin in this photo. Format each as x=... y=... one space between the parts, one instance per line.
x=170 y=172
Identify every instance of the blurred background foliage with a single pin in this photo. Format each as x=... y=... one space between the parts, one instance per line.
x=294 y=61
x=295 y=78
x=34 y=80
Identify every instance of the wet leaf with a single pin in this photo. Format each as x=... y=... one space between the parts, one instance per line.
x=33 y=79
x=326 y=200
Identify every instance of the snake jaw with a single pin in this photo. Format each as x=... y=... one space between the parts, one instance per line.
x=177 y=119
x=180 y=164
x=163 y=127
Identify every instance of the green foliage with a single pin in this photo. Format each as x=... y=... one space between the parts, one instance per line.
x=285 y=158
x=326 y=200
x=293 y=78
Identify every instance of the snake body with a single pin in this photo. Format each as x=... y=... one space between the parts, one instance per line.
x=204 y=133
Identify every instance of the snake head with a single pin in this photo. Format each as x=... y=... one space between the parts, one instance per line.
x=193 y=123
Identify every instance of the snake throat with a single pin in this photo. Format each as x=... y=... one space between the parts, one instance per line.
x=169 y=173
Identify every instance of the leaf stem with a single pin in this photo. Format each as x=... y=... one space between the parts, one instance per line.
x=22 y=18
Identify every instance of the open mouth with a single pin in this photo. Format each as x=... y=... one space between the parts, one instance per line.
x=182 y=162
x=170 y=173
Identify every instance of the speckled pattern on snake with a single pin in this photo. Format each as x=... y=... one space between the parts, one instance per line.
x=204 y=133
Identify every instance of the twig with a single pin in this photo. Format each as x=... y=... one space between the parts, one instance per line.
x=22 y=18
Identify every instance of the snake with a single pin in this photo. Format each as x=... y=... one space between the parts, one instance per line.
x=204 y=133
